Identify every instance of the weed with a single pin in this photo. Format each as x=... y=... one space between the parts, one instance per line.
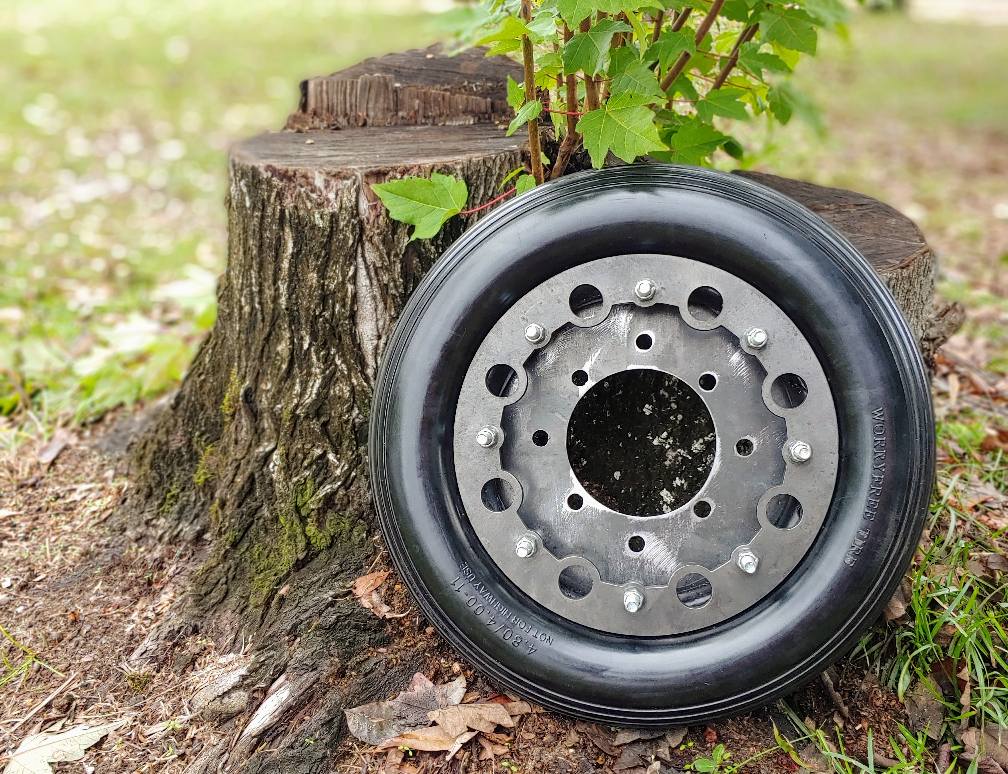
x=19 y=664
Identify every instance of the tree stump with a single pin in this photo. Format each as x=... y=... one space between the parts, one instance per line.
x=259 y=458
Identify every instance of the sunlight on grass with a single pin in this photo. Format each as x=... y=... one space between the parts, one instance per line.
x=115 y=123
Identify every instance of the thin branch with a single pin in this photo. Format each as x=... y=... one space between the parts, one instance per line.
x=571 y=139
x=746 y=35
x=528 y=61
x=680 y=64
x=680 y=21
x=591 y=88
x=659 y=20
x=490 y=203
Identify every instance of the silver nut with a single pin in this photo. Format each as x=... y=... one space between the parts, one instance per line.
x=757 y=338
x=799 y=451
x=487 y=437
x=645 y=290
x=633 y=600
x=535 y=334
x=525 y=546
x=747 y=562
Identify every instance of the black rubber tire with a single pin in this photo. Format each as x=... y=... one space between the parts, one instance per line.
x=884 y=411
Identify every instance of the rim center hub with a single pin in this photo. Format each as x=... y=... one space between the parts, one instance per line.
x=641 y=442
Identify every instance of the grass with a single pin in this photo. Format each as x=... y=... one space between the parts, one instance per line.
x=115 y=124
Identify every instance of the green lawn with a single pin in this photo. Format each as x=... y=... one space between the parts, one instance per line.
x=113 y=131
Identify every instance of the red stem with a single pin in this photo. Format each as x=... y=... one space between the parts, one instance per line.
x=490 y=203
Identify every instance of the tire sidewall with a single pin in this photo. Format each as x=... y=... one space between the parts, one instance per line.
x=879 y=388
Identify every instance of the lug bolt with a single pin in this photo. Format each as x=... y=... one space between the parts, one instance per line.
x=633 y=600
x=800 y=451
x=756 y=338
x=525 y=546
x=535 y=334
x=486 y=437
x=747 y=562
x=645 y=290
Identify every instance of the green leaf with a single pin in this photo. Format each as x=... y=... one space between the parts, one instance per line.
x=756 y=61
x=683 y=85
x=575 y=11
x=828 y=12
x=733 y=148
x=526 y=113
x=548 y=66
x=780 y=103
x=736 y=10
x=622 y=125
x=670 y=44
x=722 y=102
x=425 y=203
x=506 y=38
x=632 y=76
x=510 y=176
x=791 y=28
x=705 y=765
x=694 y=141
x=524 y=184
x=544 y=25
x=589 y=51
x=784 y=101
x=515 y=93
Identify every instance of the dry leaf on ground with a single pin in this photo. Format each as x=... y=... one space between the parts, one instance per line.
x=991 y=742
x=433 y=739
x=37 y=751
x=366 y=587
x=480 y=717
x=380 y=721
x=365 y=584
x=924 y=711
x=47 y=454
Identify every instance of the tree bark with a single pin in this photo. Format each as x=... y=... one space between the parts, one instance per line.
x=259 y=457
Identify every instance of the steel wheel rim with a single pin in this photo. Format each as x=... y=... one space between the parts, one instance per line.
x=534 y=540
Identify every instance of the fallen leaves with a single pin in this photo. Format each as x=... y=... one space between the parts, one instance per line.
x=47 y=454
x=404 y=723
x=381 y=721
x=366 y=589
x=479 y=717
x=37 y=751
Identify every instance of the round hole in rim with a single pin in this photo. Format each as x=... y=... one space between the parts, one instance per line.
x=540 y=438
x=575 y=501
x=702 y=509
x=707 y=381
x=636 y=544
x=744 y=447
x=501 y=380
x=788 y=391
x=641 y=442
x=580 y=378
x=644 y=341
x=694 y=590
x=784 y=511
x=705 y=303
x=498 y=495
x=575 y=582
x=586 y=301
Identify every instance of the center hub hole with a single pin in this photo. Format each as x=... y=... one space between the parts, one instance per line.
x=641 y=442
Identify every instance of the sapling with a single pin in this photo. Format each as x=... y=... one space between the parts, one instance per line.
x=628 y=79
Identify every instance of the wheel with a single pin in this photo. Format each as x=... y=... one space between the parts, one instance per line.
x=651 y=445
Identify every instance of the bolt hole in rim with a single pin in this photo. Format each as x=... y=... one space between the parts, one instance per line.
x=627 y=416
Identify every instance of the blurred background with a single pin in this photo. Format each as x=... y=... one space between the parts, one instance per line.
x=116 y=118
